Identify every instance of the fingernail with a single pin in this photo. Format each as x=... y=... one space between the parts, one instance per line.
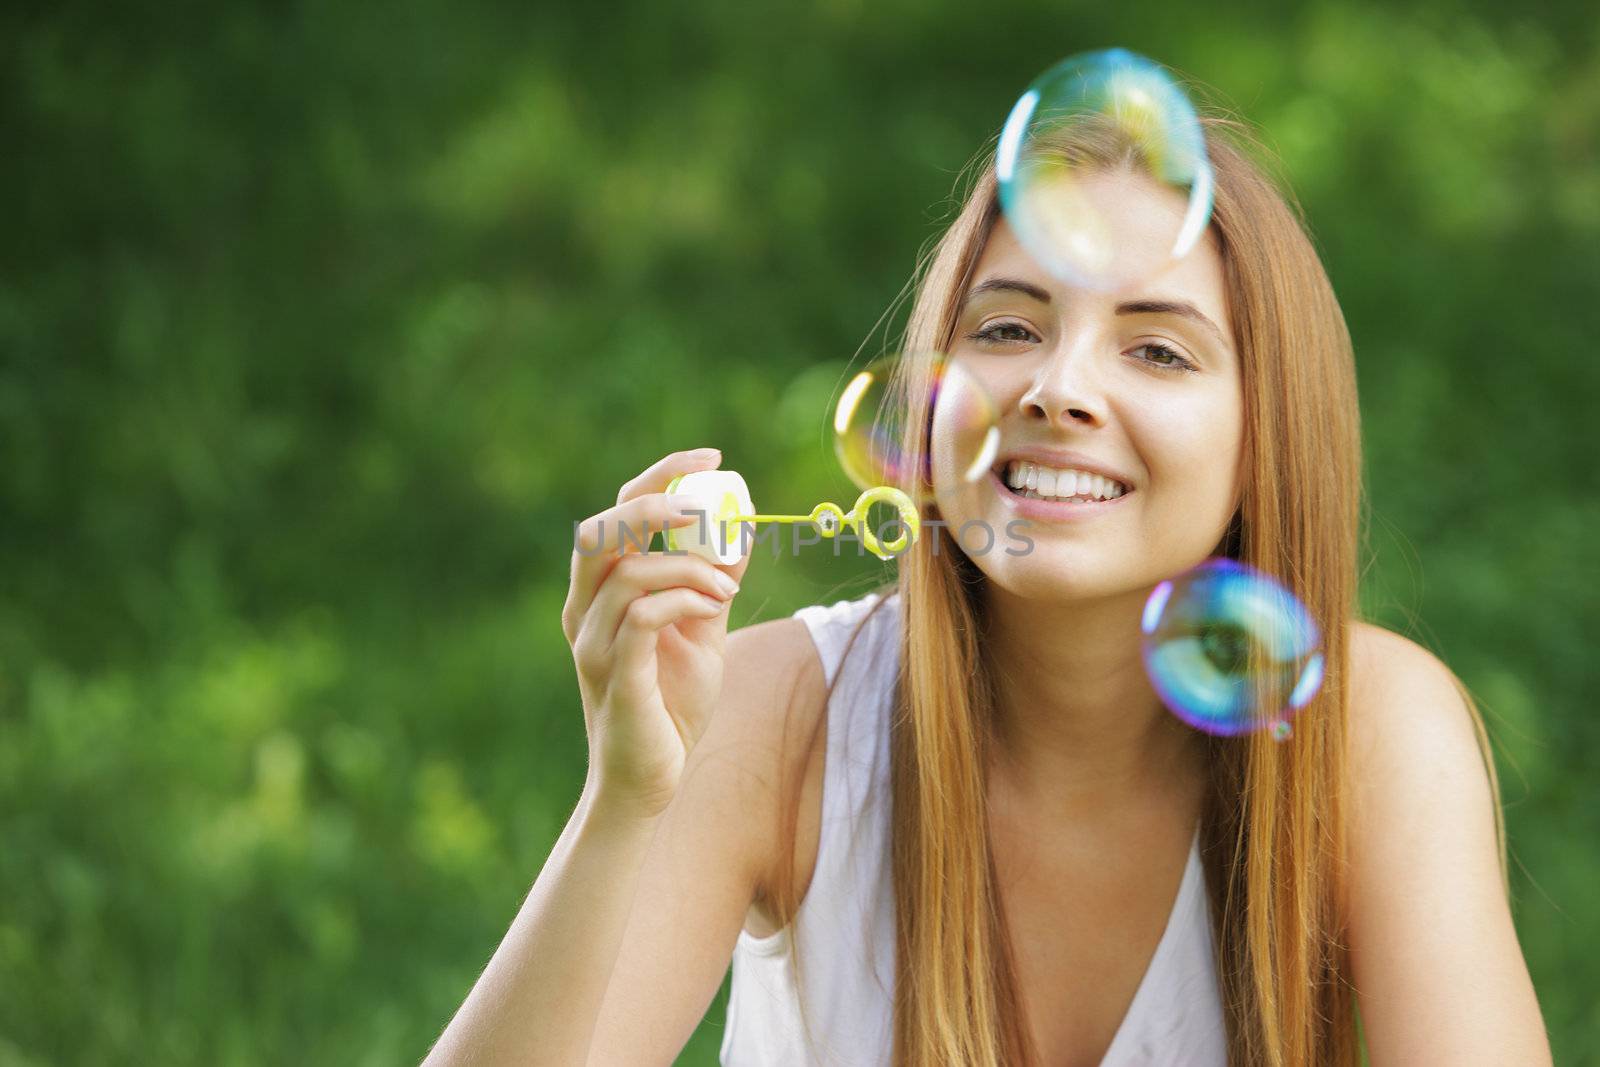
x=705 y=453
x=728 y=586
x=686 y=504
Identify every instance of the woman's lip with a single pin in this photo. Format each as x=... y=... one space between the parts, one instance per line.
x=1053 y=510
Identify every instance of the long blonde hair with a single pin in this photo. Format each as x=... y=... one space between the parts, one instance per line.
x=1273 y=828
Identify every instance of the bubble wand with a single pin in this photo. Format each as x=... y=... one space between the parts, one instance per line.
x=725 y=501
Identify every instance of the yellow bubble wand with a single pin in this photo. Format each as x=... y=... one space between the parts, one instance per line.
x=727 y=502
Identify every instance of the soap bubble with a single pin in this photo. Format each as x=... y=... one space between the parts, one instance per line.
x=878 y=405
x=1089 y=111
x=1230 y=650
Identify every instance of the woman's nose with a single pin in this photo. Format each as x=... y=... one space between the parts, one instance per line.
x=1064 y=391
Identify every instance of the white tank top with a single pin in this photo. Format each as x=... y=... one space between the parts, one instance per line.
x=845 y=926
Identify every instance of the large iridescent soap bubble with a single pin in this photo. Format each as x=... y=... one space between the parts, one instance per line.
x=1074 y=141
x=1230 y=650
x=880 y=404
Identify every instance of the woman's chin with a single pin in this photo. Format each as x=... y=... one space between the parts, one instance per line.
x=1059 y=574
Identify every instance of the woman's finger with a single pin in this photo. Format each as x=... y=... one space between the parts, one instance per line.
x=645 y=618
x=637 y=575
x=615 y=534
x=657 y=476
x=641 y=511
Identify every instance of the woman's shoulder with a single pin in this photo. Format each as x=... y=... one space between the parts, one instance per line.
x=777 y=681
x=834 y=625
x=777 y=672
x=1426 y=885
x=1402 y=695
x=773 y=691
x=1418 y=761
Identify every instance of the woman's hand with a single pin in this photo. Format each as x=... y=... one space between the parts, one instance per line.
x=648 y=632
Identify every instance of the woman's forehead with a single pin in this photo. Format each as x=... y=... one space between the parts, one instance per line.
x=1196 y=277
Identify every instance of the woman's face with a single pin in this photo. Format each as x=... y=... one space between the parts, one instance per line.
x=1141 y=384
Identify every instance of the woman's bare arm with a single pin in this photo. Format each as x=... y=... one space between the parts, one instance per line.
x=716 y=847
x=1439 y=973
x=556 y=959
x=627 y=933
x=649 y=639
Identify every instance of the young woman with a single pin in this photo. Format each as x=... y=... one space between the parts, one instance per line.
x=950 y=822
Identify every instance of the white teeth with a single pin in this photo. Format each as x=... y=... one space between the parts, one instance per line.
x=1036 y=482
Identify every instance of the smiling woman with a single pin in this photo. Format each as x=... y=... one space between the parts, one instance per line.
x=1037 y=781
x=1141 y=387
x=950 y=824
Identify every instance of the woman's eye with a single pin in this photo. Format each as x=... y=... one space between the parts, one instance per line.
x=1003 y=332
x=1164 y=357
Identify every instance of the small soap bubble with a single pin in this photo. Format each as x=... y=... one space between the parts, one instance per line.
x=1230 y=650
x=879 y=404
x=1087 y=133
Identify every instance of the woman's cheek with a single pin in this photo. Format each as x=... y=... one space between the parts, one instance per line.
x=1195 y=499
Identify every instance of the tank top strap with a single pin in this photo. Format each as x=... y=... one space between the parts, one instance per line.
x=831 y=626
x=820 y=991
x=861 y=677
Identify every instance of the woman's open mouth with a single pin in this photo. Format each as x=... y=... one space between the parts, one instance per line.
x=1055 y=494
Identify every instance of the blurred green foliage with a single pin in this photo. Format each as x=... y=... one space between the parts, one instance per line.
x=320 y=325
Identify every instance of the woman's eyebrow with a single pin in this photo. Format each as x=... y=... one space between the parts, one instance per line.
x=1181 y=308
x=1007 y=285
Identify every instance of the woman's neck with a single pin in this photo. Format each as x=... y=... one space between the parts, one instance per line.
x=1077 y=723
